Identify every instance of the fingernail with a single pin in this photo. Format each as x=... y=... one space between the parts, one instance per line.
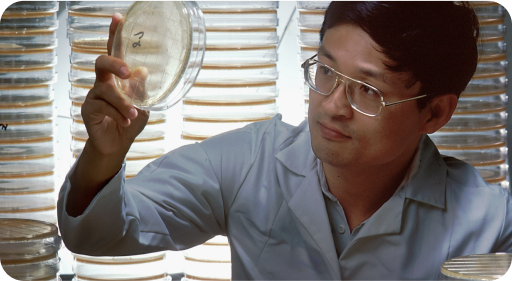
x=132 y=113
x=118 y=15
x=124 y=71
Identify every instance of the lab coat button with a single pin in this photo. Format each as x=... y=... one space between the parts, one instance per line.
x=341 y=229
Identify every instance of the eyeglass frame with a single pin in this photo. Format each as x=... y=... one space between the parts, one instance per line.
x=336 y=84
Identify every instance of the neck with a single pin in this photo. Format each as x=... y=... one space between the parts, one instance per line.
x=362 y=190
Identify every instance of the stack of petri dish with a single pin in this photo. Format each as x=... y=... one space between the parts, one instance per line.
x=27 y=74
x=476 y=267
x=88 y=30
x=237 y=82
x=476 y=132
x=309 y=21
x=209 y=261
x=147 y=267
x=29 y=249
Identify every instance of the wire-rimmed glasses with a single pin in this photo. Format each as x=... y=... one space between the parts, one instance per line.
x=363 y=97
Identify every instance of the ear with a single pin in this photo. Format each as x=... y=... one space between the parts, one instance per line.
x=438 y=112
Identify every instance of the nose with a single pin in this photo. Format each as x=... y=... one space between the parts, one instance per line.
x=337 y=104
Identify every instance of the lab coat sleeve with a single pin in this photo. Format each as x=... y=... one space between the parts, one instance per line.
x=178 y=201
x=174 y=203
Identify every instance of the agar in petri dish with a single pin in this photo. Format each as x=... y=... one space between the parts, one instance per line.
x=156 y=40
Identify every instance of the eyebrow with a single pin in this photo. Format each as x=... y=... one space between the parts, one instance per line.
x=367 y=72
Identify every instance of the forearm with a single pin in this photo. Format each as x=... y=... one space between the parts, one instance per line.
x=93 y=171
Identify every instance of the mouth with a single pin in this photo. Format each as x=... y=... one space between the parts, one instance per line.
x=332 y=134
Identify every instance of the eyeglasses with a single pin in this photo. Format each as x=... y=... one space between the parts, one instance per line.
x=362 y=97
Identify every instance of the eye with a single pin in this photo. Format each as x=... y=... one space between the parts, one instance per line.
x=368 y=90
x=325 y=71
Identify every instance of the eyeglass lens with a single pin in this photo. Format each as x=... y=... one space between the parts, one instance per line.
x=362 y=97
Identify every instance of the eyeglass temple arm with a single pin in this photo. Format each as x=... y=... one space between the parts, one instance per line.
x=384 y=104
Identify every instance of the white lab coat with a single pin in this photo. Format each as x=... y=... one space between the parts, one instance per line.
x=260 y=187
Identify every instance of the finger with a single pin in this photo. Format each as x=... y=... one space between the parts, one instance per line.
x=116 y=18
x=109 y=93
x=95 y=110
x=138 y=83
x=105 y=66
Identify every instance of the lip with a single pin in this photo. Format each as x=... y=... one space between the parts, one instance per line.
x=332 y=134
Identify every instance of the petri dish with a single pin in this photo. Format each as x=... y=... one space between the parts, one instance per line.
x=28 y=75
x=42 y=209
x=238 y=5
x=491 y=48
x=35 y=41
x=311 y=18
x=98 y=8
x=78 y=92
x=467 y=141
x=29 y=21
x=216 y=248
x=82 y=73
x=306 y=52
x=490 y=69
x=85 y=57
x=201 y=128
x=220 y=37
x=479 y=158
x=89 y=38
x=27 y=58
x=240 y=18
x=471 y=107
x=154 y=130
x=27 y=168
x=164 y=59
x=312 y=5
x=488 y=9
x=41 y=185
x=152 y=147
x=485 y=87
x=229 y=110
x=492 y=28
x=39 y=268
x=18 y=97
x=218 y=92
x=225 y=55
x=475 y=123
x=309 y=37
x=151 y=266
x=206 y=269
x=219 y=73
x=493 y=174
x=26 y=239
x=89 y=21
x=33 y=7
x=137 y=157
x=476 y=267
x=133 y=167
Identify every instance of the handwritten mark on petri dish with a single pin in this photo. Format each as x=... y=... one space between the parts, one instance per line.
x=134 y=45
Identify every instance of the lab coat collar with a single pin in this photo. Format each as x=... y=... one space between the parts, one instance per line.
x=298 y=156
x=427 y=182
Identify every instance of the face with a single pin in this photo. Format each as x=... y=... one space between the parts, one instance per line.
x=341 y=136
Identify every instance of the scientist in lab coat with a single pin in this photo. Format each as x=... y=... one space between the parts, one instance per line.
x=356 y=191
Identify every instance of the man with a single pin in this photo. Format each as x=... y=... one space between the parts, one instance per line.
x=360 y=193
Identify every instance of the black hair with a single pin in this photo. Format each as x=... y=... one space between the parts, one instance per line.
x=434 y=41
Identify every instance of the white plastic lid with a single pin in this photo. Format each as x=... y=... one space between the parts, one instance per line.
x=477 y=267
x=24 y=239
